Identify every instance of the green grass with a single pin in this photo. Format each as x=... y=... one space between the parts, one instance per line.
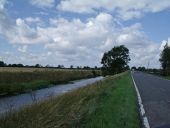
x=167 y=77
x=15 y=82
x=110 y=103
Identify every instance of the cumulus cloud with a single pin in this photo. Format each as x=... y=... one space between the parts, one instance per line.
x=164 y=42
x=22 y=33
x=5 y=24
x=126 y=9
x=79 y=42
x=32 y=20
x=23 y=49
x=43 y=3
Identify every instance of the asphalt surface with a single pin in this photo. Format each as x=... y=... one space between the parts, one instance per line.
x=155 y=94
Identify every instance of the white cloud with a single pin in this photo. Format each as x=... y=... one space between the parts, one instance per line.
x=2 y=4
x=23 y=48
x=164 y=42
x=126 y=9
x=5 y=24
x=41 y=13
x=43 y=3
x=24 y=58
x=83 y=42
x=79 y=42
x=32 y=20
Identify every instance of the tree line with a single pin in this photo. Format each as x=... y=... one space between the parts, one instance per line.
x=3 y=64
x=114 y=61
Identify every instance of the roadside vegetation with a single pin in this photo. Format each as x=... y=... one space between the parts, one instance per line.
x=14 y=81
x=110 y=103
x=167 y=77
x=165 y=60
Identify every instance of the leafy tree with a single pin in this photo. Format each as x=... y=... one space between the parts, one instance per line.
x=38 y=66
x=71 y=66
x=60 y=66
x=116 y=60
x=141 y=69
x=2 y=64
x=133 y=68
x=20 y=65
x=165 y=59
x=95 y=67
x=86 y=67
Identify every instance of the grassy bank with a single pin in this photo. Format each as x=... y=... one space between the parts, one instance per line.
x=110 y=103
x=24 y=80
x=167 y=77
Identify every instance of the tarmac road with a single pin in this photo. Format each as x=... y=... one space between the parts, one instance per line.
x=155 y=94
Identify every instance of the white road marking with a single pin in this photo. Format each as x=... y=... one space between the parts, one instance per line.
x=142 y=110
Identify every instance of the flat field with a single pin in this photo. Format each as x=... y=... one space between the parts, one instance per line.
x=111 y=103
x=18 y=80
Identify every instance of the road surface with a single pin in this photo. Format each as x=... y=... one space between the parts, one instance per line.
x=19 y=101
x=155 y=94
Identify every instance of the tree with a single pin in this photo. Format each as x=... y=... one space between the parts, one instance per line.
x=71 y=66
x=133 y=68
x=20 y=65
x=165 y=59
x=141 y=69
x=95 y=67
x=38 y=66
x=2 y=64
x=116 y=60
x=60 y=66
x=86 y=67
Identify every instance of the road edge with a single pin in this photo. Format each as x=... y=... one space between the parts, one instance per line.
x=144 y=119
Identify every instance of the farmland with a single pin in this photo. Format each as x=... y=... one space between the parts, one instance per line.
x=104 y=104
x=19 y=80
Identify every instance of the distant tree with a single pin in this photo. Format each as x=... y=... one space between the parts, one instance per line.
x=48 y=66
x=27 y=66
x=13 y=65
x=2 y=64
x=60 y=66
x=133 y=68
x=86 y=67
x=141 y=69
x=71 y=66
x=78 y=67
x=38 y=66
x=95 y=67
x=116 y=60
x=165 y=59
x=20 y=65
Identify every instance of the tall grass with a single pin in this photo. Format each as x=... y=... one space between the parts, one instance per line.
x=22 y=81
x=110 y=103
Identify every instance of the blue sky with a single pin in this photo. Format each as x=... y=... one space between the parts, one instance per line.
x=78 y=32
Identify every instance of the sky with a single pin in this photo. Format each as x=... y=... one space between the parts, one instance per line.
x=78 y=32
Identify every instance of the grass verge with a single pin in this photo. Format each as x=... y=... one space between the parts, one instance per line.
x=19 y=81
x=110 y=103
x=167 y=77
